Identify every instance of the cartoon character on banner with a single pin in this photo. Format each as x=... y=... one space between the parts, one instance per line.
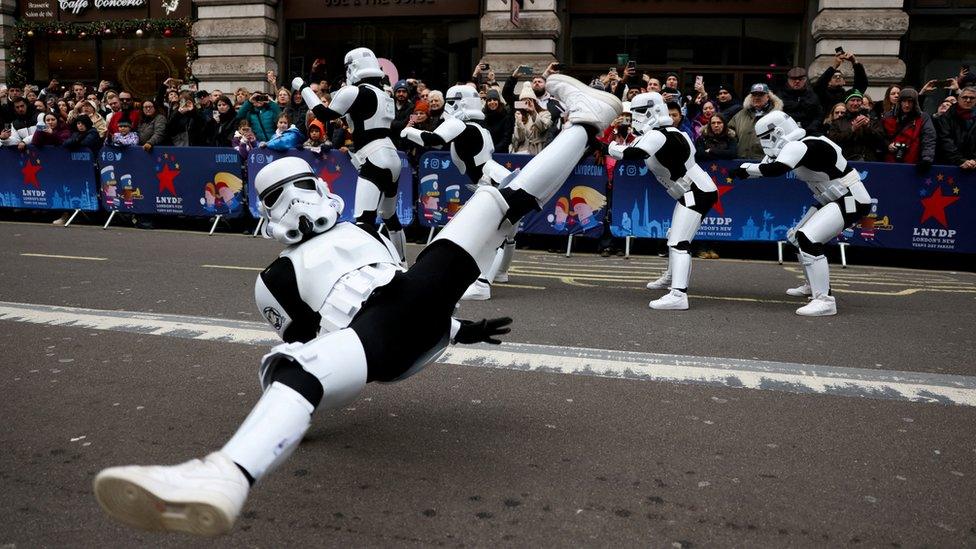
x=109 y=187
x=578 y=209
x=129 y=193
x=453 y=195
x=223 y=192
x=430 y=198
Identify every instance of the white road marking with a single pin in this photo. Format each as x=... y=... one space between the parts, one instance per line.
x=66 y=257
x=712 y=371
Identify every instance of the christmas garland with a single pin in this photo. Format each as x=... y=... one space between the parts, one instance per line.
x=25 y=31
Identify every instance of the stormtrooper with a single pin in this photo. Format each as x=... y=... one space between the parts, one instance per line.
x=670 y=155
x=369 y=111
x=471 y=149
x=350 y=314
x=841 y=199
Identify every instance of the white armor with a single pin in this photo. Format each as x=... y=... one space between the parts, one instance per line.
x=294 y=202
x=464 y=103
x=361 y=63
x=648 y=111
x=343 y=99
x=775 y=130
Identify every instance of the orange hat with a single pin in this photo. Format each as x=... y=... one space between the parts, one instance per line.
x=317 y=124
x=422 y=106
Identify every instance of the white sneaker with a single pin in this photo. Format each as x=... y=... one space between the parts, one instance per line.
x=200 y=497
x=501 y=277
x=675 y=300
x=824 y=305
x=663 y=282
x=478 y=291
x=802 y=290
x=586 y=105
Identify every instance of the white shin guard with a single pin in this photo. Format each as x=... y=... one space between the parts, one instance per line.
x=817 y=271
x=548 y=170
x=503 y=258
x=271 y=432
x=368 y=197
x=476 y=227
x=679 y=263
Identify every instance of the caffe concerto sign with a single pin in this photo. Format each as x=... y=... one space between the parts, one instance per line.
x=76 y=7
x=95 y=10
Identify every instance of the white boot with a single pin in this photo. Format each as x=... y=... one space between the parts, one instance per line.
x=586 y=105
x=823 y=305
x=200 y=497
x=676 y=300
x=479 y=290
x=664 y=281
x=803 y=290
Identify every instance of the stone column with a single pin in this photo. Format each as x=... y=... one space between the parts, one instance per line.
x=533 y=42
x=871 y=29
x=8 y=18
x=235 y=43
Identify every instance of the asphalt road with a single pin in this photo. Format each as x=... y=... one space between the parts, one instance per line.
x=469 y=456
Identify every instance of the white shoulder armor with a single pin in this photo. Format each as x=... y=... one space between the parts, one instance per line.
x=320 y=262
x=385 y=109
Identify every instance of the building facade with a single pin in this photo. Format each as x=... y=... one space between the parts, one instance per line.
x=234 y=43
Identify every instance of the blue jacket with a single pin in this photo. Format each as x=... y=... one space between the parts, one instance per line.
x=263 y=121
x=289 y=139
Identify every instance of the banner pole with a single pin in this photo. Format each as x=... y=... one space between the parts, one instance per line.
x=779 y=251
x=214 y=226
x=109 y=220
x=843 y=255
x=569 y=246
x=430 y=235
x=627 y=245
x=72 y=218
x=258 y=228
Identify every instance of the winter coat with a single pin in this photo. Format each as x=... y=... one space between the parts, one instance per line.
x=242 y=145
x=728 y=109
x=914 y=129
x=831 y=96
x=222 y=130
x=152 y=130
x=957 y=137
x=98 y=122
x=803 y=106
x=288 y=139
x=862 y=144
x=88 y=139
x=501 y=125
x=530 y=137
x=263 y=121
x=709 y=146
x=133 y=115
x=56 y=138
x=119 y=140
x=744 y=125
x=188 y=129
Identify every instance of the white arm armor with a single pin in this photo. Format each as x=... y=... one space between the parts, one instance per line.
x=310 y=99
x=616 y=150
x=449 y=129
x=270 y=309
x=493 y=173
x=650 y=142
x=791 y=154
x=413 y=134
x=752 y=168
x=342 y=100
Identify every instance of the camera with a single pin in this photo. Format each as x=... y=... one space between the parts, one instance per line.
x=622 y=130
x=839 y=50
x=900 y=150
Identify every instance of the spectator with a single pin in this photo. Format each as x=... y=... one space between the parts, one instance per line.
x=110 y=105
x=89 y=108
x=910 y=133
x=717 y=141
x=890 y=101
x=124 y=137
x=945 y=107
x=653 y=84
x=542 y=99
x=244 y=139
x=205 y=104
x=532 y=124
x=830 y=86
x=283 y=98
x=859 y=135
x=224 y=122
x=240 y=97
x=78 y=91
x=835 y=114
x=285 y=137
x=679 y=121
x=703 y=119
x=126 y=110
x=957 y=132
x=40 y=107
x=63 y=110
x=800 y=102
x=262 y=115
x=498 y=121
x=758 y=103
x=152 y=126
x=435 y=99
x=54 y=132
x=187 y=127
x=402 y=109
x=727 y=104
x=7 y=96
x=85 y=135
x=297 y=109
x=217 y=94
x=23 y=116
x=317 y=141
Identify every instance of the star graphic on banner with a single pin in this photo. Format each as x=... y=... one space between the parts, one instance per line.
x=713 y=168
x=329 y=176
x=722 y=189
x=935 y=206
x=30 y=173
x=724 y=171
x=940 y=177
x=728 y=179
x=951 y=180
x=166 y=177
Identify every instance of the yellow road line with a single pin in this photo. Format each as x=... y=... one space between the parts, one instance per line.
x=55 y=256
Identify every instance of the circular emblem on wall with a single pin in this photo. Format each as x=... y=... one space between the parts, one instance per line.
x=141 y=72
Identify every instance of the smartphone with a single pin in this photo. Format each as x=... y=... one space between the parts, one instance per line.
x=948 y=82
x=557 y=66
x=839 y=50
x=631 y=64
x=413 y=118
x=485 y=66
x=216 y=116
x=522 y=105
x=613 y=70
x=525 y=70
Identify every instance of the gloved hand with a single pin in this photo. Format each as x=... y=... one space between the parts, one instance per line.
x=616 y=150
x=483 y=330
x=297 y=83
x=923 y=167
x=413 y=134
x=740 y=173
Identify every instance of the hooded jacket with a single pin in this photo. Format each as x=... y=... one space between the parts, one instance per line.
x=499 y=123
x=914 y=129
x=88 y=138
x=744 y=125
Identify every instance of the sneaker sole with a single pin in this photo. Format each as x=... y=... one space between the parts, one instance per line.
x=127 y=501
x=658 y=286
x=667 y=307
x=825 y=313
x=475 y=297
x=606 y=98
x=797 y=294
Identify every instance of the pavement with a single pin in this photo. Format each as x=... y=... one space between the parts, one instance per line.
x=736 y=423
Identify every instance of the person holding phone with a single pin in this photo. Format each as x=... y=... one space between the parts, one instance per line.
x=262 y=113
x=543 y=100
x=224 y=122
x=801 y=102
x=830 y=87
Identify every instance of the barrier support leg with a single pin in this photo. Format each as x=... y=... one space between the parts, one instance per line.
x=109 y=220
x=627 y=245
x=843 y=255
x=779 y=251
x=430 y=235
x=569 y=246
x=72 y=218
x=258 y=228
x=214 y=226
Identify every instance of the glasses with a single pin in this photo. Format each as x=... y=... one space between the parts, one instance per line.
x=125 y=99
x=967 y=97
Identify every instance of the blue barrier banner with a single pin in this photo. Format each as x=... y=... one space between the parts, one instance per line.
x=48 y=178
x=193 y=181
x=908 y=211
x=340 y=175
x=579 y=205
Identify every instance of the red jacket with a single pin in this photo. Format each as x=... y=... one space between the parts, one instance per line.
x=909 y=134
x=113 y=121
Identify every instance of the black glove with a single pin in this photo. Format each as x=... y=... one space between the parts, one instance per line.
x=740 y=173
x=483 y=330
x=923 y=167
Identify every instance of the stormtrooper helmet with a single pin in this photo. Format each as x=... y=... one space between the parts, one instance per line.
x=361 y=63
x=648 y=111
x=463 y=102
x=775 y=130
x=294 y=203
